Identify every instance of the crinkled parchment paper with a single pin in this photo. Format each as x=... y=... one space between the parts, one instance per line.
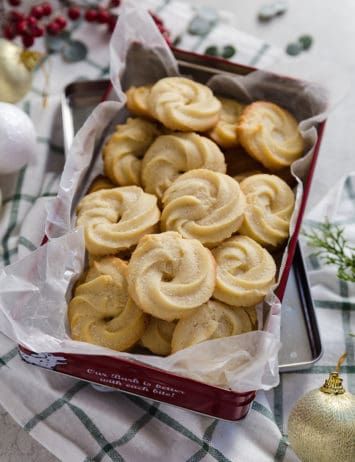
x=34 y=292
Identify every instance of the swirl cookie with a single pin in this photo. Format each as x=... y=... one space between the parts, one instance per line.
x=246 y=174
x=172 y=155
x=182 y=104
x=240 y=166
x=270 y=134
x=100 y=182
x=123 y=151
x=251 y=312
x=137 y=100
x=102 y=312
x=224 y=133
x=115 y=219
x=158 y=335
x=245 y=272
x=238 y=162
x=204 y=205
x=210 y=321
x=169 y=276
x=270 y=203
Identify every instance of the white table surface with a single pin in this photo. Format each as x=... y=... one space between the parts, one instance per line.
x=332 y=26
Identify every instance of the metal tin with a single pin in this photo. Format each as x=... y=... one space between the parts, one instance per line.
x=137 y=378
x=300 y=337
x=143 y=380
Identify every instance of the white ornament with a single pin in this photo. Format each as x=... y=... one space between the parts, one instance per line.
x=18 y=145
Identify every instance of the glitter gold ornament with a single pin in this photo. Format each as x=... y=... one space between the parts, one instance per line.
x=16 y=66
x=321 y=426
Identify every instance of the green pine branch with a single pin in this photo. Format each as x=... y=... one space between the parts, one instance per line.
x=333 y=249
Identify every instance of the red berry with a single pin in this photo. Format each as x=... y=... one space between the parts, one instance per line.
x=21 y=27
x=61 y=21
x=115 y=3
x=37 y=11
x=14 y=2
x=9 y=32
x=32 y=21
x=46 y=8
x=15 y=16
x=37 y=31
x=91 y=15
x=111 y=23
x=103 y=16
x=27 y=41
x=53 y=28
x=74 y=13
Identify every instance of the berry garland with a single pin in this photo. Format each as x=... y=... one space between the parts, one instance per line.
x=43 y=20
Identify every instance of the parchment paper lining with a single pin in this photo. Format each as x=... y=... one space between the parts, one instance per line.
x=35 y=291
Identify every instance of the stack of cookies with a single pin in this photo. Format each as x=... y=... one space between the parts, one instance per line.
x=180 y=252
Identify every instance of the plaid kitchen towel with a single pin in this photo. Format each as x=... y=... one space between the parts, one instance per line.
x=77 y=423
x=69 y=417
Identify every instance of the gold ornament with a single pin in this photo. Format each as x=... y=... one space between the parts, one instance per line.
x=321 y=426
x=16 y=67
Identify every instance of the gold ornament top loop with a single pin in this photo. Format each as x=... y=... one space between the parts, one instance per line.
x=334 y=384
x=340 y=362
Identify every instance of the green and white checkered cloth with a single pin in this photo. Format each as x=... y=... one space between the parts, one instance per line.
x=335 y=306
x=69 y=417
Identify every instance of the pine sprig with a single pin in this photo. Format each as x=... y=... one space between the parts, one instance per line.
x=333 y=249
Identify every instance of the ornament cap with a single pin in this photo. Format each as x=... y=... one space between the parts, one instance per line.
x=334 y=384
x=30 y=59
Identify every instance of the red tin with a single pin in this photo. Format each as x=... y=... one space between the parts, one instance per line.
x=141 y=379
